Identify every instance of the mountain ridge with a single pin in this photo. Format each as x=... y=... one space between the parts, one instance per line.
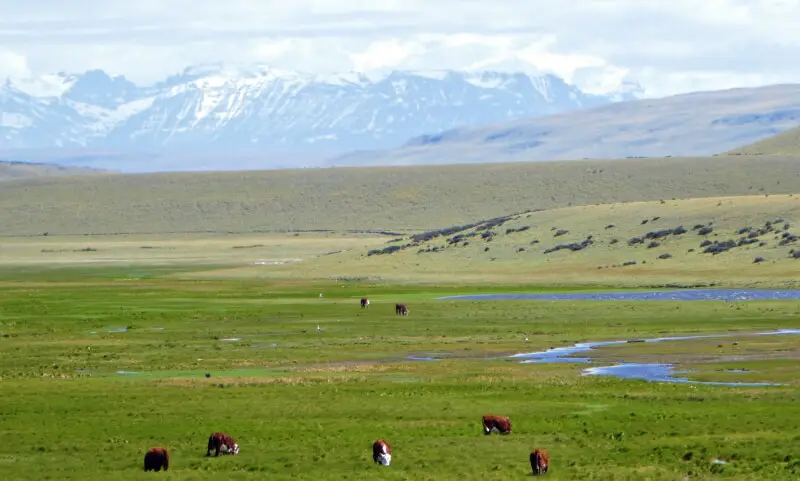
x=690 y=124
x=227 y=107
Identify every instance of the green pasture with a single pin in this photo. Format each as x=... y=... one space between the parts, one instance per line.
x=307 y=404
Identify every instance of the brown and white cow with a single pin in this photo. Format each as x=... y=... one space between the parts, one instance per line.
x=401 y=309
x=156 y=459
x=540 y=460
x=501 y=424
x=382 y=452
x=364 y=302
x=221 y=443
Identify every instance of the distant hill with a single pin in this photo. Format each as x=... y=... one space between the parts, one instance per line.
x=700 y=123
x=736 y=241
x=394 y=199
x=785 y=143
x=24 y=170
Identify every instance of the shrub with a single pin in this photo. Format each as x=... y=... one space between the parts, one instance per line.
x=720 y=247
x=574 y=247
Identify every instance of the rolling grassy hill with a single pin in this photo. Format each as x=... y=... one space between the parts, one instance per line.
x=25 y=170
x=395 y=199
x=785 y=143
x=707 y=240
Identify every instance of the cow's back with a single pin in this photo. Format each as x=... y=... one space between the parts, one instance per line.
x=156 y=459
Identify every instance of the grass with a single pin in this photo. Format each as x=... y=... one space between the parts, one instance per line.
x=514 y=251
x=189 y=251
x=517 y=251
x=305 y=404
x=785 y=143
x=395 y=199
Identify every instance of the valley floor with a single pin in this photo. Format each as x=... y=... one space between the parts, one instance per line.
x=101 y=362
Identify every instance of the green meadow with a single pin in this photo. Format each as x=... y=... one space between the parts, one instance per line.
x=101 y=363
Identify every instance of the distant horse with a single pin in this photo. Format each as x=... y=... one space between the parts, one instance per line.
x=155 y=459
x=401 y=309
x=540 y=460
x=364 y=302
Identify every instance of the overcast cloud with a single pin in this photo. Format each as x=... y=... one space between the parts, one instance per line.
x=669 y=46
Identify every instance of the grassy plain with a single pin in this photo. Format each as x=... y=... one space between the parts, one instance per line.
x=398 y=199
x=514 y=253
x=84 y=398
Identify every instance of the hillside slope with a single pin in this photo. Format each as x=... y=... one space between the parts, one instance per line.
x=785 y=143
x=708 y=240
x=23 y=170
x=382 y=198
x=700 y=123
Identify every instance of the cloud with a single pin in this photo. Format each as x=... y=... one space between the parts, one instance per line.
x=13 y=65
x=668 y=46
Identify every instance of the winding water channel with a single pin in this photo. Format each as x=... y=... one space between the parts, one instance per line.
x=647 y=372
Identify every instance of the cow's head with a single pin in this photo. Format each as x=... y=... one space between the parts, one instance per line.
x=385 y=459
x=225 y=449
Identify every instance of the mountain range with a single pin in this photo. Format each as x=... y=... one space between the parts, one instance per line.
x=221 y=117
x=693 y=124
x=225 y=108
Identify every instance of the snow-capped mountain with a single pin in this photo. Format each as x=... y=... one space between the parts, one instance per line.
x=259 y=108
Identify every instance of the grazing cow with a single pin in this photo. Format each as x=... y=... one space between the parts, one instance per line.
x=220 y=442
x=382 y=452
x=501 y=424
x=401 y=309
x=155 y=459
x=364 y=302
x=540 y=460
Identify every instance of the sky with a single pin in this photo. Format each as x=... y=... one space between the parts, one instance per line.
x=667 y=46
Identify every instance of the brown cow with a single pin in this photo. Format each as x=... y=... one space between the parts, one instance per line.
x=364 y=302
x=401 y=309
x=501 y=424
x=155 y=459
x=540 y=460
x=382 y=452
x=220 y=442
